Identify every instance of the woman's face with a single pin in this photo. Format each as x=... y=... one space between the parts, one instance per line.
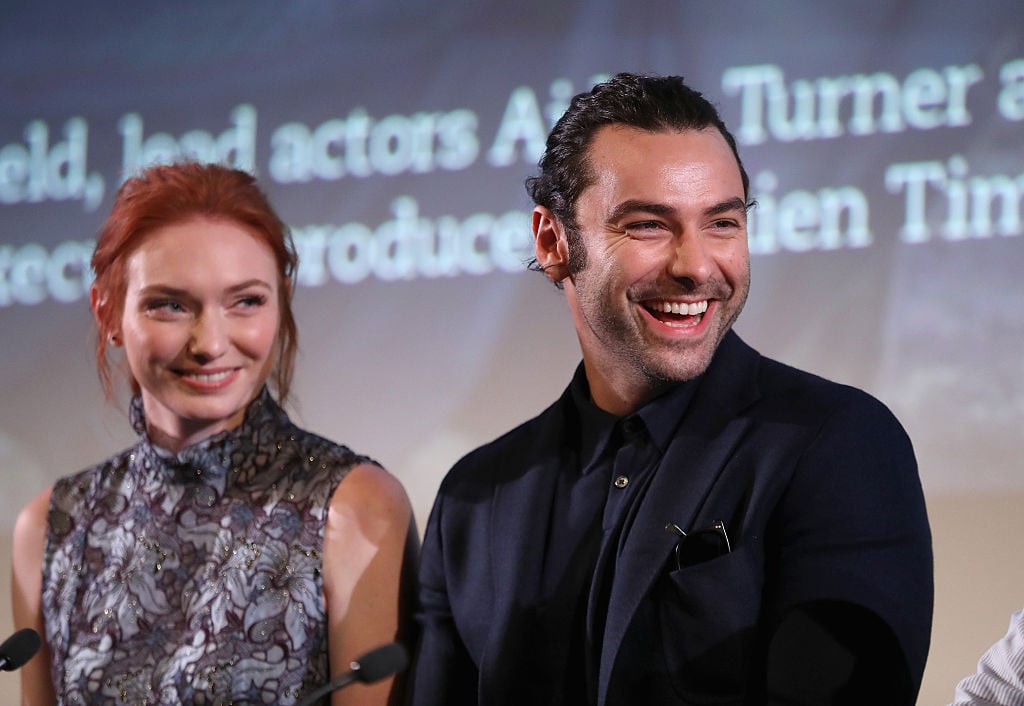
x=200 y=323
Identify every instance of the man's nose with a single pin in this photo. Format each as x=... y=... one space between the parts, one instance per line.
x=689 y=259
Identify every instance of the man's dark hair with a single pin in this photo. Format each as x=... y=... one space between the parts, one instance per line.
x=651 y=103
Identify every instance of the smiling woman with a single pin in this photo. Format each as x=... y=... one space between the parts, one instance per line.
x=228 y=555
x=200 y=319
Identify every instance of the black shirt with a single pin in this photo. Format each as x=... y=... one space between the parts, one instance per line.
x=593 y=508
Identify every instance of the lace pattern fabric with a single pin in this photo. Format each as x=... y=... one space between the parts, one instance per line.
x=194 y=578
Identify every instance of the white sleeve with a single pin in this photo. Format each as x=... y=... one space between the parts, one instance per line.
x=999 y=680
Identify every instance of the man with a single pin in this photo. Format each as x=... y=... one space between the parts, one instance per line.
x=689 y=522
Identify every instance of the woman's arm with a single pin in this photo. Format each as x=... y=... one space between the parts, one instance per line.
x=369 y=562
x=26 y=596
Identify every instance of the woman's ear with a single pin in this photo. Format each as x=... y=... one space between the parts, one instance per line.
x=550 y=246
x=100 y=304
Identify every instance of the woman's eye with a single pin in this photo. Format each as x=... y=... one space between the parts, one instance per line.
x=252 y=300
x=167 y=305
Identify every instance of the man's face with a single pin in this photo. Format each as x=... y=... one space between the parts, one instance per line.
x=667 y=270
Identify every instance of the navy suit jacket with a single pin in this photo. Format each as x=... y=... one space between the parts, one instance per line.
x=826 y=596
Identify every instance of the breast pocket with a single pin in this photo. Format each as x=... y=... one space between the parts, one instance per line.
x=708 y=615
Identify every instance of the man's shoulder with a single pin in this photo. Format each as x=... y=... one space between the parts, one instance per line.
x=788 y=391
x=783 y=383
x=512 y=452
x=790 y=397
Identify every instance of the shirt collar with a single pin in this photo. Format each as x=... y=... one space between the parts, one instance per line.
x=659 y=417
x=595 y=425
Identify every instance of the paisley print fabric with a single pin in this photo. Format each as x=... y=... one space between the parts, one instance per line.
x=194 y=578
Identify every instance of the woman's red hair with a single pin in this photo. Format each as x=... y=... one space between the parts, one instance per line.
x=167 y=194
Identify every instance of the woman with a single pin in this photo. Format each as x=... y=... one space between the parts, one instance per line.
x=228 y=556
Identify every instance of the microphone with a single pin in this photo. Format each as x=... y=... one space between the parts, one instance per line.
x=373 y=666
x=18 y=649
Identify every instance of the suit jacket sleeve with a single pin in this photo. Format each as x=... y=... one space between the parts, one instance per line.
x=444 y=673
x=851 y=598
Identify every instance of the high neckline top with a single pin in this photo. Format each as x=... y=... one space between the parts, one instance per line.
x=194 y=577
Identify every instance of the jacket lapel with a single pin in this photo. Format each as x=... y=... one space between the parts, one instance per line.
x=696 y=456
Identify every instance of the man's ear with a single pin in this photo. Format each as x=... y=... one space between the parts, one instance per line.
x=550 y=245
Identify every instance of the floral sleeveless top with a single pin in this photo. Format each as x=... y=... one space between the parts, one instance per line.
x=194 y=578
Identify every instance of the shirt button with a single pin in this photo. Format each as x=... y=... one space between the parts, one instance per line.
x=621 y=482
x=633 y=425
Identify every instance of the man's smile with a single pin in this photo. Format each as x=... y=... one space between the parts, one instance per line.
x=676 y=314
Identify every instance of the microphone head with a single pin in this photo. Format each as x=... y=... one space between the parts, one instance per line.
x=19 y=648
x=380 y=662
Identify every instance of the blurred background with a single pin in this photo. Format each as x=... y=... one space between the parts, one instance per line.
x=884 y=141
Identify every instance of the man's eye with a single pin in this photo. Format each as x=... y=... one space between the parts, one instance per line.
x=644 y=225
x=725 y=223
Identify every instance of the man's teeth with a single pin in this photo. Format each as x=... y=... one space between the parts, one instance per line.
x=681 y=308
x=212 y=377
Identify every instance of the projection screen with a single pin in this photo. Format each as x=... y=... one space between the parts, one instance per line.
x=884 y=143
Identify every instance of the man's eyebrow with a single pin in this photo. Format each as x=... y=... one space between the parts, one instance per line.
x=660 y=209
x=733 y=204
x=634 y=205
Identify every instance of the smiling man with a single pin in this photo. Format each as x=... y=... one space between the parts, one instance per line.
x=690 y=522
